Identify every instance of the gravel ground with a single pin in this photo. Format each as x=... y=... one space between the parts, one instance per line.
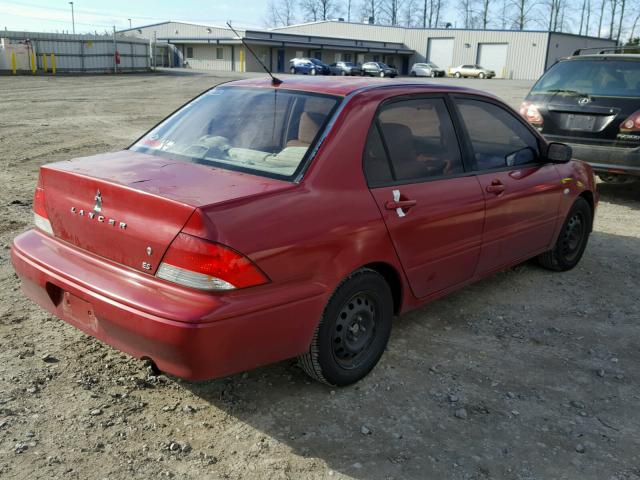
x=526 y=375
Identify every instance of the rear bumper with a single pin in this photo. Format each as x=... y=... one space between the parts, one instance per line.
x=605 y=158
x=189 y=334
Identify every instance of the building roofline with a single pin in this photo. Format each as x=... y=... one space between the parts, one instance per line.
x=276 y=29
x=171 y=21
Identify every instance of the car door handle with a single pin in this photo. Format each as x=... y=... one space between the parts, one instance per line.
x=400 y=204
x=496 y=187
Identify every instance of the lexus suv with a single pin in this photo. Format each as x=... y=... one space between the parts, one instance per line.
x=592 y=102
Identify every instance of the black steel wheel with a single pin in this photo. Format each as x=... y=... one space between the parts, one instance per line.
x=572 y=240
x=353 y=331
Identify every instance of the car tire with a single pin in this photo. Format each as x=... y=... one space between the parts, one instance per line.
x=292 y=71
x=313 y=72
x=381 y=74
x=572 y=240
x=343 y=73
x=481 y=75
x=353 y=331
x=433 y=74
x=458 y=74
x=413 y=74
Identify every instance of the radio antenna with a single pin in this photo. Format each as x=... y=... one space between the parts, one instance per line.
x=274 y=80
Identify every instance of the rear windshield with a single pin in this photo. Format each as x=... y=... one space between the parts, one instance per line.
x=268 y=132
x=599 y=77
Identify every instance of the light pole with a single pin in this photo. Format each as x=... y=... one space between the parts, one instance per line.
x=73 y=20
x=129 y=22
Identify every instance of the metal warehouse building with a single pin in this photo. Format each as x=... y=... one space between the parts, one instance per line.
x=510 y=53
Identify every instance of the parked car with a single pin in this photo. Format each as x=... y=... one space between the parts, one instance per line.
x=345 y=68
x=471 y=71
x=308 y=66
x=592 y=102
x=379 y=69
x=426 y=70
x=261 y=222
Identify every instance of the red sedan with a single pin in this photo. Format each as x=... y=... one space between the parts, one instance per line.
x=261 y=222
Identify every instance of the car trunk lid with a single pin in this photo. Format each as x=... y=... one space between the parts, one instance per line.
x=128 y=206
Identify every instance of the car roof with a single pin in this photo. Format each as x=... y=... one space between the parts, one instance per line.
x=345 y=86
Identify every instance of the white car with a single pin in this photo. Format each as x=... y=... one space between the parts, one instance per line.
x=473 y=70
x=426 y=70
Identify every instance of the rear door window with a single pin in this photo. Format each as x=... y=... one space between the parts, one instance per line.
x=498 y=138
x=417 y=140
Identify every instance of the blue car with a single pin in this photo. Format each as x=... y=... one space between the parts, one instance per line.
x=308 y=66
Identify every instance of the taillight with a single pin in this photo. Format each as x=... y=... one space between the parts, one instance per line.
x=531 y=113
x=40 y=217
x=631 y=124
x=197 y=263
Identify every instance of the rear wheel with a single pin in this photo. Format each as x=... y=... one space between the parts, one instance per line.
x=343 y=73
x=481 y=75
x=353 y=331
x=572 y=240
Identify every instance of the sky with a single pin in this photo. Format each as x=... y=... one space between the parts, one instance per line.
x=101 y=15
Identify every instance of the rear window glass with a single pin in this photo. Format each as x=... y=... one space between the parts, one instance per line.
x=598 y=77
x=261 y=131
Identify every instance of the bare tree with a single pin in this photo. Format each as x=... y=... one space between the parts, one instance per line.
x=391 y=10
x=614 y=7
x=281 y=13
x=467 y=7
x=622 y=6
x=485 y=13
x=310 y=10
x=523 y=9
x=411 y=13
x=315 y=10
x=371 y=9
x=601 y=18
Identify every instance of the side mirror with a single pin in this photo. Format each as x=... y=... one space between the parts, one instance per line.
x=559 y=152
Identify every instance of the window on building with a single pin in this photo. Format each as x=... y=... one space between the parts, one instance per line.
x=347 y=57
x=376 y=58
x=189 y=52
x=499 y=139
x=219 y=53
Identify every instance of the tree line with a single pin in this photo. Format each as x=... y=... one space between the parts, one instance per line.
x=613 y=19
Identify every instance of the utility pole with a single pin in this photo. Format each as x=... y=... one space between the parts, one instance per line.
x=73 y=20
x=129 y=22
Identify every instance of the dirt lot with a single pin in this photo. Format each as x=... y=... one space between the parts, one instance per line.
x=545 y=366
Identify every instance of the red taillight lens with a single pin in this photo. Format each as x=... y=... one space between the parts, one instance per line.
x=631 y=124
x=40 y=217
x=198 y=263
x=531 y=113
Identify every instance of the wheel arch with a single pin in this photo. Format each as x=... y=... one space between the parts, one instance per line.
x=393 y=279
x=588 y=196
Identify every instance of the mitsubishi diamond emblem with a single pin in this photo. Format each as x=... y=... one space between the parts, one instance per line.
x=584 y=100
x=98 y=198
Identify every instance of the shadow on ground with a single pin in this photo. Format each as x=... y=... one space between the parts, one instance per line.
x=508 y=378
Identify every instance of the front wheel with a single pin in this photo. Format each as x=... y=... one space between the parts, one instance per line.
x=458 y=75
x=481 y=75
x=572 y=239
x=313 y=71
x=433 y=74
x=413 y=74
x=343 y=73
x=353 y=331
x=381 y=74
x=292 y=71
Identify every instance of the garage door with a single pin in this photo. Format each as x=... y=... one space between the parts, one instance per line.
x=494 y=57
x=440 y=52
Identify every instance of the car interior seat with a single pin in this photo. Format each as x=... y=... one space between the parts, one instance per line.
x=310 y=123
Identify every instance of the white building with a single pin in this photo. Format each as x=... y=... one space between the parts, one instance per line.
x=510 y=53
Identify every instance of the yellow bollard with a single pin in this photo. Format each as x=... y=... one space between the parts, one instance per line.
x=33 y=63
x=44 y=62
x=13 y=62
x=53 y=64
